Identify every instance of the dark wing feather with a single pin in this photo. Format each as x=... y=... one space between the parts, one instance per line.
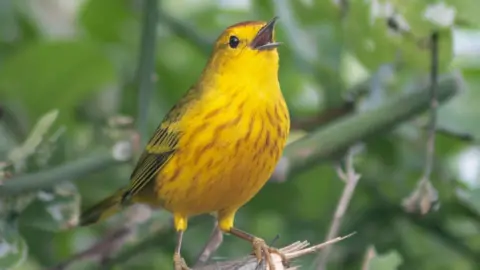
x=160 y=148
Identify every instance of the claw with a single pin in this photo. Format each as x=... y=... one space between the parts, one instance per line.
x=179 y=262
x=260 y=248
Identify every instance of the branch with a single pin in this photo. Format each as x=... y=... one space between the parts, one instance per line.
x=350 y=177
x=369 y=255
x=320 y=145
x=146 y=64
x=214 y=242
x=293 y=251
x=74 y=170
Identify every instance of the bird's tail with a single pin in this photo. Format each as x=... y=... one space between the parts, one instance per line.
x=103 y=209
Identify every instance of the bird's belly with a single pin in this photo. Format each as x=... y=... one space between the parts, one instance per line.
x=225 y=175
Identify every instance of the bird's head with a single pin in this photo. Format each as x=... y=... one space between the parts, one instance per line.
x=247 y=47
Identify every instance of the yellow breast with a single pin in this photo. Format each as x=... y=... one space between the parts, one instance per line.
x=227 y=153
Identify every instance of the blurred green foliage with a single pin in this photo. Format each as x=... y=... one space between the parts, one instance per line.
x=67 y=68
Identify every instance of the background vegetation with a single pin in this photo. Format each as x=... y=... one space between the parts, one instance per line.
x=76 y=90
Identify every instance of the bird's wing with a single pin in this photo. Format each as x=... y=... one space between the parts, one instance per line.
x=161 y=147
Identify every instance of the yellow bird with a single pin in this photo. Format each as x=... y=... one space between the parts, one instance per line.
x=219 y=144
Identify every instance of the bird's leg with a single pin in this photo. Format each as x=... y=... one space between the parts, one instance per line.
x=259 y=247
x=179 y=262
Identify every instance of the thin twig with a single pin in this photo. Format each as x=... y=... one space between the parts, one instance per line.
x=430 y=151
x=146 y=64
x=369 y=255
x=465 y=137
x=461 y=136
x=101 y=250
x=350 y=177
x=113 y=240
x=214 y=242
x=424 y=197
x=316 y=248
x=344 y=7
x=155 y=238
x=325 y=117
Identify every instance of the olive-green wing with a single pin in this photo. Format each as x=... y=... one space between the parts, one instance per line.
x=161 y=147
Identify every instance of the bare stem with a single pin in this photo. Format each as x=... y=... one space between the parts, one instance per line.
x=216 y=239
x=350 y=177
x=430 y=151
x=369 y=255
x=146 y=64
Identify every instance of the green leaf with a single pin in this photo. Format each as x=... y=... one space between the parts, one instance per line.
x=55 y=74
x=13 y=249
x=54 y=210
x=387 y=261
x=19 y=154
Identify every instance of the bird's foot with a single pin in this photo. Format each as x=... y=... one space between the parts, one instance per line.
x=179 y=262
x=261 y=248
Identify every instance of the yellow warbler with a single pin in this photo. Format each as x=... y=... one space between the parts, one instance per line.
x=219 y=144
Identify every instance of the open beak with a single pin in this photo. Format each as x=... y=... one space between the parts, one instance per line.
x=264 y=38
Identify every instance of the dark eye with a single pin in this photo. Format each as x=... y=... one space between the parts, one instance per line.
x=233 y=42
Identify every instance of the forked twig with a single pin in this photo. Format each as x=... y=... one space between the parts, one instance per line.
x=350 y=177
